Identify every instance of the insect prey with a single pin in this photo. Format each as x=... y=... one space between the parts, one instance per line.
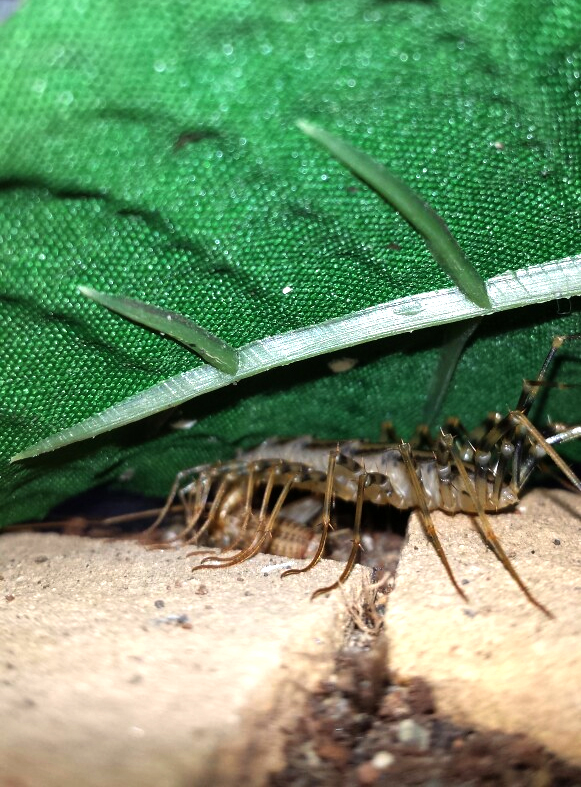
x=480 y=473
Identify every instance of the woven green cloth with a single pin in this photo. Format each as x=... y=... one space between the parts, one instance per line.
x=149 y=149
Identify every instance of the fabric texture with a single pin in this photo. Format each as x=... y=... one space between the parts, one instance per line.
x=150 y=149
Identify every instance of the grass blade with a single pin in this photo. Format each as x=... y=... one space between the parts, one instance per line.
x=559 y=278
x=209 y=347
x=460 y=334
x=421 y=216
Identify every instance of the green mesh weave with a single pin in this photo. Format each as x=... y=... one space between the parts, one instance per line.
x=149 y=149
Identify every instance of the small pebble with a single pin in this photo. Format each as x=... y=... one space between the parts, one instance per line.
x=159 y=604
x=383 y=760
x=178 y=620
x=413 y=734
x=394 y=705
x=333 y=751
x=277 y=567
x=41 y=559
x=340 y=365
x=367 y=774
x=557 y=542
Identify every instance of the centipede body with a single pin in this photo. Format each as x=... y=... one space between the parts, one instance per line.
x=477 y=473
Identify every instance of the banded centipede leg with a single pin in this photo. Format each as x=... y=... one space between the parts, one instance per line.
x=326 y=520
x=175 y=490
x=219 y=559
x=247 y=509
x=413 y=473
x=203 y=487
x=482 y=522
x=530 y=388
x=361 y=483
x=541 y=441
x=529 y=392
x=262 y=535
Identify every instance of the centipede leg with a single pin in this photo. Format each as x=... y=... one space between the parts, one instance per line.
x=541 y=441
x=486 y=531
x=529 y=392
x=362 y=481
x=427 y=522
x=262 y=518
x=212 y=515
x=387 y=433
x=168 y=503
x=531 y=387
x=501 y=473
x=262 y=535
x=326 y=520
x=203 y=486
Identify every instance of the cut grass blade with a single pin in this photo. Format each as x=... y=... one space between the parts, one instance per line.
x=535 y=284
x=209 y=347
x=421 y=216
x=460 y=334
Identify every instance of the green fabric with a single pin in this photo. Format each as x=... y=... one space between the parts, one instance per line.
x=149 y=149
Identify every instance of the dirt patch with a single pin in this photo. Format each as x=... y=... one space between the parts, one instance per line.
x=360 y=729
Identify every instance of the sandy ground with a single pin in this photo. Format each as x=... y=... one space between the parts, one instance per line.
x=120 y=667
x=497 y=661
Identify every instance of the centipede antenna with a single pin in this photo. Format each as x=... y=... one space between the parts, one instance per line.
x=81 y=524
x=326 y=520
x=488 y=534
x=427 y=522
x=362 y=481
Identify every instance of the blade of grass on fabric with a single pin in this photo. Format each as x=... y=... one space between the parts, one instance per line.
x=459 y=335
x=421 y=216
x=209 y=347
x=535 y=284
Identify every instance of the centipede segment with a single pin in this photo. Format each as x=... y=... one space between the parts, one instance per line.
x=252 y=502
